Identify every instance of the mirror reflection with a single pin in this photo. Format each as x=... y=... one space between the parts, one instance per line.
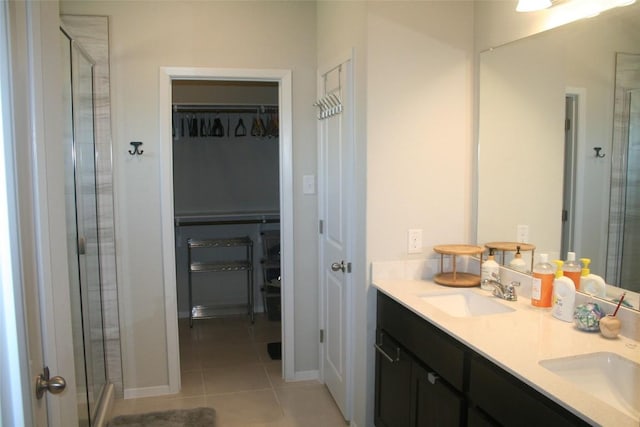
x=558 y=144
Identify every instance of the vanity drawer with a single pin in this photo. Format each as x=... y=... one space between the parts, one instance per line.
x=427 y=343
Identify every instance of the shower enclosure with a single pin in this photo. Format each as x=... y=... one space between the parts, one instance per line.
x=629 y=268
x=82 y=228
x=624 y=214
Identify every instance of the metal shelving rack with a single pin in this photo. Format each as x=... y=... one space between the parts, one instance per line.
x=234 y=265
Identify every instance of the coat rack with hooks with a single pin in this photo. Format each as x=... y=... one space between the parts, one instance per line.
x=225 y=121
x=331 y=103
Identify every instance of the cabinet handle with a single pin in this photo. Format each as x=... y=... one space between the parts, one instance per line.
x=432 y=377
x=386 y=355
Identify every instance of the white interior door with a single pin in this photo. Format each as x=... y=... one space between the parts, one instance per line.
x=335 y=197
x=30 y=109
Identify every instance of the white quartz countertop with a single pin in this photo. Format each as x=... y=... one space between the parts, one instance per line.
x=518 y=340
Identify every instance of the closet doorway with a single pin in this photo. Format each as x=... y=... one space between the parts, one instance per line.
x=226 y=174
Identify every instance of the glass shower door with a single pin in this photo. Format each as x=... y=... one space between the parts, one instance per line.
x=629 y=268
x=82 y=226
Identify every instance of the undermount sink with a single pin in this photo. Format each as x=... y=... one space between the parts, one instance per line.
x=606 y=376
x=466 y=303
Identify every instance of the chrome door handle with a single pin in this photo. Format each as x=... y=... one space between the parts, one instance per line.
x=339 y=266
x=53 y=385
x=380 y=350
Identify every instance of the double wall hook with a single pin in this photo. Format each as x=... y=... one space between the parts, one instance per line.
x=597 y=150
x=136 y=148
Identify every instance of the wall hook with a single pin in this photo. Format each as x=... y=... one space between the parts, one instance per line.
x=597 y=150
x=136 y=148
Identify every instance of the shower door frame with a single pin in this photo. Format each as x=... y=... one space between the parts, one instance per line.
x=84 y=234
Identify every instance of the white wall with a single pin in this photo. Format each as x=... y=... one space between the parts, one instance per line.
x=145 y=36
x=416 y=135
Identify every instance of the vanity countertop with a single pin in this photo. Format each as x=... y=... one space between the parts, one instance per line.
x=516 y=341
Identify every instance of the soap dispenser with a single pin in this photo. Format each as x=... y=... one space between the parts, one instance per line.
x=572 y=269
x=490 y=270
x=564 y=295
x=591 y=284
x=517 y=263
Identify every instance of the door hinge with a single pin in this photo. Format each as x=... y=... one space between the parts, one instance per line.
x=567 y=124
x=320 y=226
x=321 y=335
x=565 y=215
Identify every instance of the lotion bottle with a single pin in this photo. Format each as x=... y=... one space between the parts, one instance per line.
x=572 y=269
x=564 y=295
x=542 y=283
x=517 y=263
x=591 y=284
x=490 y=270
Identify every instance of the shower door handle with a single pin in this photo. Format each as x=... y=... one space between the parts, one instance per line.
x=82 y=245
x=53 y=385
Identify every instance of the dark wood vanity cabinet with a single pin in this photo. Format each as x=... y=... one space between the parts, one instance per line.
x=424 y=377
x=419 y=371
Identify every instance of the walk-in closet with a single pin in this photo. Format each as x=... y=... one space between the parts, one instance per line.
x=227 y=215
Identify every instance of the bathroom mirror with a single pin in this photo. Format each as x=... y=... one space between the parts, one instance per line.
x=546 y=148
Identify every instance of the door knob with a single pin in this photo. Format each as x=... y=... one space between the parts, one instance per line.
x=53 y=385
x=339 y=266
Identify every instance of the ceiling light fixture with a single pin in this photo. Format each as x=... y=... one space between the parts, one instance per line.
x=532 y=5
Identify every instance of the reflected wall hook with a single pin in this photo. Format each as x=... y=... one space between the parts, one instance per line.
x=597 y=150
x=136 y=148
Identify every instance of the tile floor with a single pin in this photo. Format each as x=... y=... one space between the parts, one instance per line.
x=225 y=365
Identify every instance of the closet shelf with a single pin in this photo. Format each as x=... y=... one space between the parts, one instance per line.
x=219 y=243
x=217 y=267
x=224 y=108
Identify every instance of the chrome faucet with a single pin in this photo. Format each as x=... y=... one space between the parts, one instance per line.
x=500 y=290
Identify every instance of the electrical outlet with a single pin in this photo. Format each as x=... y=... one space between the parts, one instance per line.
x=415 y=241
x=523 y=234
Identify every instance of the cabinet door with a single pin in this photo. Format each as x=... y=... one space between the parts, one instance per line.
x=511 y=402
x=437 y=404
x=393 y=384
x=475 y=418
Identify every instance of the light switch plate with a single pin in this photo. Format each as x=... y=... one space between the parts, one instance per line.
x=309 y=184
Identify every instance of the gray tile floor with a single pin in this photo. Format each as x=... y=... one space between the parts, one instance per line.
x=225 y=365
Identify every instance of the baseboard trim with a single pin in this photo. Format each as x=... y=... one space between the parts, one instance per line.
x=135 y=393
x=306 y=375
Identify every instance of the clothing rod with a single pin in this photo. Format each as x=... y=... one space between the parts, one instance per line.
x=227 y=222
